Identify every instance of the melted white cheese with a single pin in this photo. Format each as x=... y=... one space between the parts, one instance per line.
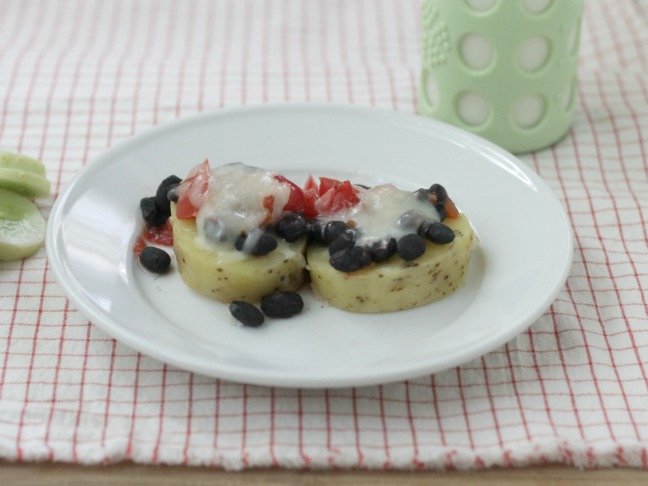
x=235 y=200
x=377 y=214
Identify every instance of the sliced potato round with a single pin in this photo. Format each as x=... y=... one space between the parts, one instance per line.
x=22 y=227
x=25 y=183
x=225 y=274
x=396 y=284
x=11 y=160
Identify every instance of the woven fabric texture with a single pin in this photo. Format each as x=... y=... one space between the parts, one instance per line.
x=76 y=76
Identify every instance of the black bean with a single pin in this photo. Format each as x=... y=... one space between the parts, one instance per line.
x=314 y=232
x=346 y=239
x=213 y=230
x=381 y=250
x=422 y=194
x=291 y=227
x=246 y=313
x=239 y=242
x=161 y=198
x=410 y=247
x=154 y=259
x=332 y=230
x=282 y=304
x=264 y=245
x=153 y=215
x=411 y=220
x=439 y=233
x=441 y=210
x=172 y=193
x=439 y=191
x=351 y=259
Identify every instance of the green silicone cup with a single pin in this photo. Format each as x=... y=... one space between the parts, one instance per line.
x=502 y=69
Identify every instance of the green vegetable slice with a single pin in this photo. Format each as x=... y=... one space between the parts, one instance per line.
x=24 y=183
x=11 y=160
x=22 y=227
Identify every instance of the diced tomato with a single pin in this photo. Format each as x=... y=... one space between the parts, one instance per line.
x=139 y=245
x=295 y=202
x=311 y=194
x=326 y=184
x=192 y=190
x=268 y=205
x=311 y=185
x=185 y=209
x=337 y=198
x=329 y=197
x=159 y=235
x=450 y=208
x=310 y=198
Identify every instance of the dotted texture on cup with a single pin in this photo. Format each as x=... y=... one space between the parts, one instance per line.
x=481 y=5
x=509 y=74
x=537 y=6
x=477 y=52
x=436 y=41
x=473 y=109
x=533 y=53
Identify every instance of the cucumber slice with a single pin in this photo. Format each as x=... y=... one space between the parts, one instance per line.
x=24 y=183
x=11 y=160
x=22 y=227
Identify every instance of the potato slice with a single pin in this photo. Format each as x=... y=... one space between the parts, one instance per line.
x=396 y=284
x=225 y=274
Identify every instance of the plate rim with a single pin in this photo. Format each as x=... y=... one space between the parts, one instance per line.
x=262 y=377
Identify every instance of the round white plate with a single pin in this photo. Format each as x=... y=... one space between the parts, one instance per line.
x=517 y=270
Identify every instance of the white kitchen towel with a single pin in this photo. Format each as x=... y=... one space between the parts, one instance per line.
x=76 y=76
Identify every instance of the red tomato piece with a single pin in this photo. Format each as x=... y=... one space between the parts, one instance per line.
x=268 y=205
x=330 y=196
x=139 y=245
x=450 y=208
x=159 y=235
x=337 y=198
x=192 y=190
x=310 y=199
x=185 y=209
x=311 y=195
x=295 y=202
x=326 y=184
x=311 y=185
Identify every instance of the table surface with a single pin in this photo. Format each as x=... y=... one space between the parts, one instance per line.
x=78 y=76
x=44 y=473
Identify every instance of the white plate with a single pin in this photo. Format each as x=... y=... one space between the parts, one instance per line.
x=518 y=268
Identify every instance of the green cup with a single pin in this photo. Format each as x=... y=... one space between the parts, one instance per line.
x=502 y=69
